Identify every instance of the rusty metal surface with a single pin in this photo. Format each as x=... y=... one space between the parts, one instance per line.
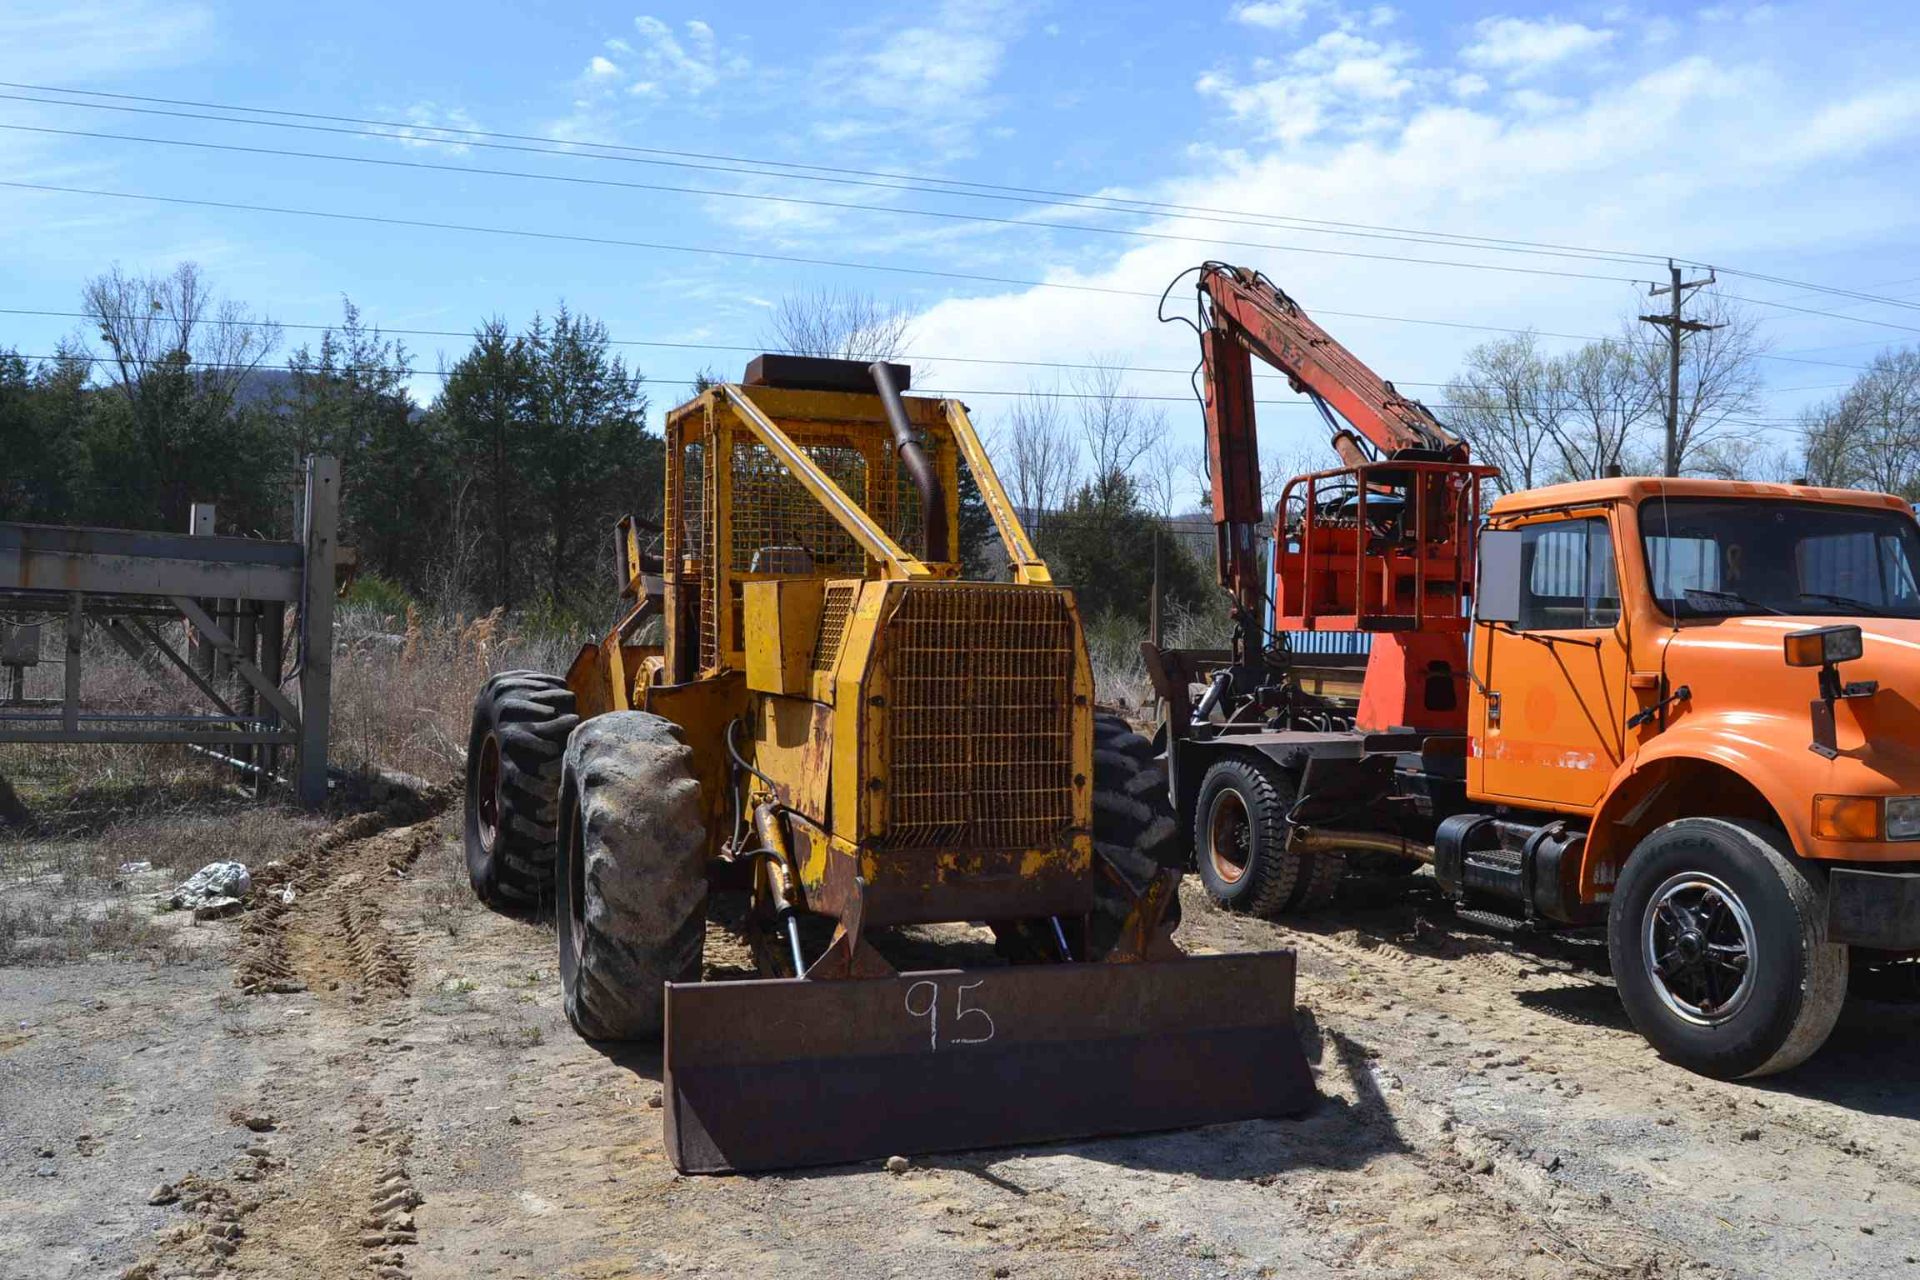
x=786 y=1073
x=980 y=718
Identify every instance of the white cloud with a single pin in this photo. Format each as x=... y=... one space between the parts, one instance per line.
x=670 y=64
x=1727 y=156
x=90 y=39
x=658 y=64
x=934 y=81
x=1338 y=79
x=1274 y=15
x=425 y=122
x=1523 y=46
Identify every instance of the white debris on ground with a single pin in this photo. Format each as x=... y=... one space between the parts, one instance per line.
x=214 y=890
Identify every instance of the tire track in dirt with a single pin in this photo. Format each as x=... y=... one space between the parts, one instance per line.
x=1519 y=1046
x=321 y=925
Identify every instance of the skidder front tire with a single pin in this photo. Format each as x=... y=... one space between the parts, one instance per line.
x=632 y=888
x=520 y=725
x=1717 y=934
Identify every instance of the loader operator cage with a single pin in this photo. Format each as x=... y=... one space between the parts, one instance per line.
x=736 y=514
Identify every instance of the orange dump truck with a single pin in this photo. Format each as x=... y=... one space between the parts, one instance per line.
x=1681 y=709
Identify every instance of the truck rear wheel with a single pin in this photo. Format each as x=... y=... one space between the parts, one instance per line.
x=632 y=883
x=1718 y=939
x=1240 y=831
x=521 y=720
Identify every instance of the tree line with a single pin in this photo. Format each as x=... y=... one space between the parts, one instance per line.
x=499 y=492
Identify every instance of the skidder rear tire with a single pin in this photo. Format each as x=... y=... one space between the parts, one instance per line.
x=1133 y=828
x=521 y=720
x=1718 y=938
x=632 y=889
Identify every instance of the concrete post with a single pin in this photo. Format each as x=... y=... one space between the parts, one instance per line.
x=321 y=536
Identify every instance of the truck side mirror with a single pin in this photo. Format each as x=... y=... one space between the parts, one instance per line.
x=1496 y=582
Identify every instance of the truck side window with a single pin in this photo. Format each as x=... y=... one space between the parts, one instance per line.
x=1567 y=567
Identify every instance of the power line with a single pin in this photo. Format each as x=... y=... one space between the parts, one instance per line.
x=410 y=132
x=929 y=358
x=401 y=372
x=574 y=238
x=1831 y=315
x=571 y=179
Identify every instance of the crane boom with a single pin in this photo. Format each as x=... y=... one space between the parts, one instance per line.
x=1247 y=315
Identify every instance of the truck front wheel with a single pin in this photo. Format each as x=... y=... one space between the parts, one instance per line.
x=1718 y=939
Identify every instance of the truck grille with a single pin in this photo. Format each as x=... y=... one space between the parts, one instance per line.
x=981 y=728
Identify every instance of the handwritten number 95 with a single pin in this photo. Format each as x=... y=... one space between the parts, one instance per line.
x=923 y=1001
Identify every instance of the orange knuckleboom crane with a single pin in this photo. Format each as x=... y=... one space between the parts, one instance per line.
x=1382 y=543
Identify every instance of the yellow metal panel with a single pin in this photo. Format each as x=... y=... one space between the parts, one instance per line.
x=782 y=620
x=792 y=743
x=704 y=708
x=859 y=744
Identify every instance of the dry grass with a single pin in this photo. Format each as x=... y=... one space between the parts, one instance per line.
x=34 y=929
x=1113 y=647
x=403 y=698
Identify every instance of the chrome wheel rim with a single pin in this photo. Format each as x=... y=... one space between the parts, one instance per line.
x=1698 y=944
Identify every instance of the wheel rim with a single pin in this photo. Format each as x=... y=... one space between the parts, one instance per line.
x=1229 y=837
x=574 y=905
x=488 y=789
x=1698 y=944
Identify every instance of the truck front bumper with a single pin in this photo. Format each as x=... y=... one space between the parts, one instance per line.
x=1878 y=909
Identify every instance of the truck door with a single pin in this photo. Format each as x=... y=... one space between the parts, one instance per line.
x=1547 y=722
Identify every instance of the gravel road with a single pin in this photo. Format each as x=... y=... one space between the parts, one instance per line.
x=376 y=1080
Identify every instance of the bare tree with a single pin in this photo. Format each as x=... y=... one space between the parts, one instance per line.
x=840 y=325
x=157 y=327
x=1607 y=399
x=1509 y=404
x=1870 y=437
x=1172 y=476
x=1038 y=460
x=1114 y=430
x=1280 y=464
x=1719 y=382
x=179 y=357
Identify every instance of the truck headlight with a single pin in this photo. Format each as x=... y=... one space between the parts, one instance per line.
x=1903 y=817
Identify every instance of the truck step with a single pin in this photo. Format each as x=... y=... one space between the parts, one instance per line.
x=1495 y=921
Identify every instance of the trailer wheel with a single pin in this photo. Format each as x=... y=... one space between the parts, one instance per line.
x=521 y=720
x=632 y=884
x=1718 y=938
x=1240 y=834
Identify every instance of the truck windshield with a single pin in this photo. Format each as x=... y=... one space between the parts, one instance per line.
x=1720 y=557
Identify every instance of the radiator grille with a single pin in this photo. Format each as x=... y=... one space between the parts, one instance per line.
x=834 y=611
x=981 y=727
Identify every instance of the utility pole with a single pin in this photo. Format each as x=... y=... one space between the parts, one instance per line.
x=1677 y=326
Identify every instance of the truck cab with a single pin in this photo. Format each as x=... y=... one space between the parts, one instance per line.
x=1689 y=719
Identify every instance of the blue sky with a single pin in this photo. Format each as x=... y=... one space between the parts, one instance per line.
x=1778 y=139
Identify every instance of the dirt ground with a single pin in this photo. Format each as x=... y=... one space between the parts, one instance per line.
x=375 y=1079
